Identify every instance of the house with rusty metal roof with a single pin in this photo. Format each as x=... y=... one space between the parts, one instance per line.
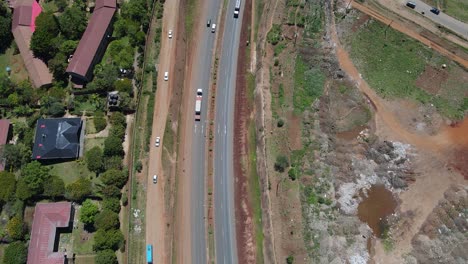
x=50 y=219
x=93 y=43
x=58 y=138
x=23 y=27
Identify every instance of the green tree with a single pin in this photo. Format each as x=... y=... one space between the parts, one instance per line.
x=99 y=121
x=281 y=163
x=115 y=177
x=34 y=174
x=107 y=220
x=106 y=257
x=113 y=162
x=78 y=190
x=112 y=204
x=292 y=173
x=88 y=212
x=15 y=253
x=5 y=28
x=111 y=239
x=290 y=259
x=15 y=228
x=117 y=118
x=68 y=47
x=58 y=66
x=110 y=191
x=8 y=186
x=104 y=77
x=117 y=131
x=113 y=146
x=73 y=23
x=274 y=35
x=55 y=187
x=43 y=42
x=23 y=192
x=124 y=85
x=95 y=159
x=126 y=102
x=15 y=155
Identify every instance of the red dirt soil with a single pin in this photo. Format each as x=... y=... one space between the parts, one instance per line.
x=243 y=210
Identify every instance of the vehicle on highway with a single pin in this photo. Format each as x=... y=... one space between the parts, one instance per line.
x=166 y=76
x=198 y=102
x=213 y=28
x=155 y=179
x=169 y=34
x=237 y=8
x=435 y=10
x=208 y=23
x=149 y=254
x=411 y=4
x=158 y=141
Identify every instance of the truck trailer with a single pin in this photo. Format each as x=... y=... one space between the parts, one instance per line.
x=198 y=102
x=149 y=254
x=237 y=8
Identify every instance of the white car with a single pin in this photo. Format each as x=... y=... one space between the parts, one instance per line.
x=166 y=76
x=155 y=178
x=213 y=28
x=158 y=141
x=170 y=34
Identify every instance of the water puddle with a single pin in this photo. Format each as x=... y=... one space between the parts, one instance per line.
x=374 y=208
x=350 y=134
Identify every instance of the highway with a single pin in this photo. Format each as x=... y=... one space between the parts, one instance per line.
x=200 y=78
x=443 y=19
x=225 y=232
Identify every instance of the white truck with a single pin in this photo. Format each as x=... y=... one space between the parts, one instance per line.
x=237 y=8
x=198 y=102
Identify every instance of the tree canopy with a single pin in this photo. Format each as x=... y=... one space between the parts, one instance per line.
x=111 y=239
x=112 y=204
x=115 y=177
x=73 y=22
x=8 y=186
x=33 y=176
x=43 y=43
x=88 y=212
x=15 y=253
x=107 y=220
x=106 y=257
x=15 y=228
x=113 y=146
x=78 y=190
x=55 y=187
x=95 y=159
x=5 y=28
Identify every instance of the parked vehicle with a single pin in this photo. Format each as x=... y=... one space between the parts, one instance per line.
x=198 y=102
x=149 y=254
x=213 y=28
x=237 y=8
x=169 y=34
x=435 y=10
x=208 y=23
x=166 y=76
x=158 y=141
x=155 y=179
x=411 y=4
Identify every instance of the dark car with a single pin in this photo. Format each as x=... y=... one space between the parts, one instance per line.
x=410 y=4
x=435 y=10
x=208 y=23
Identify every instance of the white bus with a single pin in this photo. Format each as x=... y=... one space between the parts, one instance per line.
x=237 y=8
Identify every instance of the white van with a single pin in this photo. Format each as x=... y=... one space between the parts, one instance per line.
x=155 y=178
x=166 y=76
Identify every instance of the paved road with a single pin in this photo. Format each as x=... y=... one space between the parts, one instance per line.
x=443 y=19
x=225 y=233
x=200 y=78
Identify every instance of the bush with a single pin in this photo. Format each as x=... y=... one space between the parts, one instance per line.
x=15 y=228
x=78 y=190
x=88 y=212
x=107 y=220
x=290 y=259
x=106 y=257
x=111 y=239
x=95 y=159
x=8 y=186
x=110 y=191
x=274 y=35
x=117 y=118
x=292 y=173
x=54 y=187
x=99 y=121
x=115 y=177
x=281 y=163
x=114 y=162
x=113 y=146
x=138 y=166
x=280 y=123
x=15 y=253
x=124 y=200
x=112 y=204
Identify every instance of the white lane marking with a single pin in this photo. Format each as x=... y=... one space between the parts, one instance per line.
x=225 y=131
x=218 y=129
x=195 y=129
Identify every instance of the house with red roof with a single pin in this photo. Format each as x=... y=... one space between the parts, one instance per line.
x=93 y=43
x=23 y=27
x=50 y=219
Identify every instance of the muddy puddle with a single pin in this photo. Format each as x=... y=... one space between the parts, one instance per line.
x=374 y=208
x=350 y=134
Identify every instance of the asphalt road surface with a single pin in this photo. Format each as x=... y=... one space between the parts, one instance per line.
x=201 y=74
x=443 y=19
x=225 y=233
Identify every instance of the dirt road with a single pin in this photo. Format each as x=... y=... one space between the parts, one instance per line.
x=155 y=218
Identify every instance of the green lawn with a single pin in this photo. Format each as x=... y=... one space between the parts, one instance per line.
x=71 y=171
x=82 y=241
x=455 y=8
x=84 y=259
x=15 y=62
x=308 y=84
x=92 y=142
x=392 y=62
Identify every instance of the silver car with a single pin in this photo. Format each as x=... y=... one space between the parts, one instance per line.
x=158 y=141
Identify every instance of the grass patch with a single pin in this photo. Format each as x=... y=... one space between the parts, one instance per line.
x=308 y=85
x=85 y=259
x=82 y=241
x=15 y=62
x=279 y=48
x=92 y=142
x=189 y=17
x=71 y=171
x=258 y=15
x=391 y=63
x=168 y=142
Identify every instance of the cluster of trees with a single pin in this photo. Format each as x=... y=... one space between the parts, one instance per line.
x=5 y=27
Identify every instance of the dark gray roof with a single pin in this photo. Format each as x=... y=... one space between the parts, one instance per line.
x=57 y=138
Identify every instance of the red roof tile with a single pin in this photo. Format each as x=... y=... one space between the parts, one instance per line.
x=47 y=218
x=4 y=129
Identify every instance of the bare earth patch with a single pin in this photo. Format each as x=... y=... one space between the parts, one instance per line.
x=432 y=79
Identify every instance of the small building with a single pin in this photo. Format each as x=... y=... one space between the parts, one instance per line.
x=50 y=219
x=58 y=138
x=5 y=135
x=93 y=43
x=23 y=27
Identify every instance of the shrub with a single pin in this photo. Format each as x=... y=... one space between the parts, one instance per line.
x=115 y=177
x=99 y=121
x=281 y=163
x=290 y=259
x=280 y=123
x=15 y=228
x=78 y=190
x=107 y=220
x=112 y=204
x=274 y=35
x=138 y=166
x=106 y=257
x=113 y=146
x=88 y=212
x=111 y=239
x=292 y=173
x=15 y=253
x=95 y=159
